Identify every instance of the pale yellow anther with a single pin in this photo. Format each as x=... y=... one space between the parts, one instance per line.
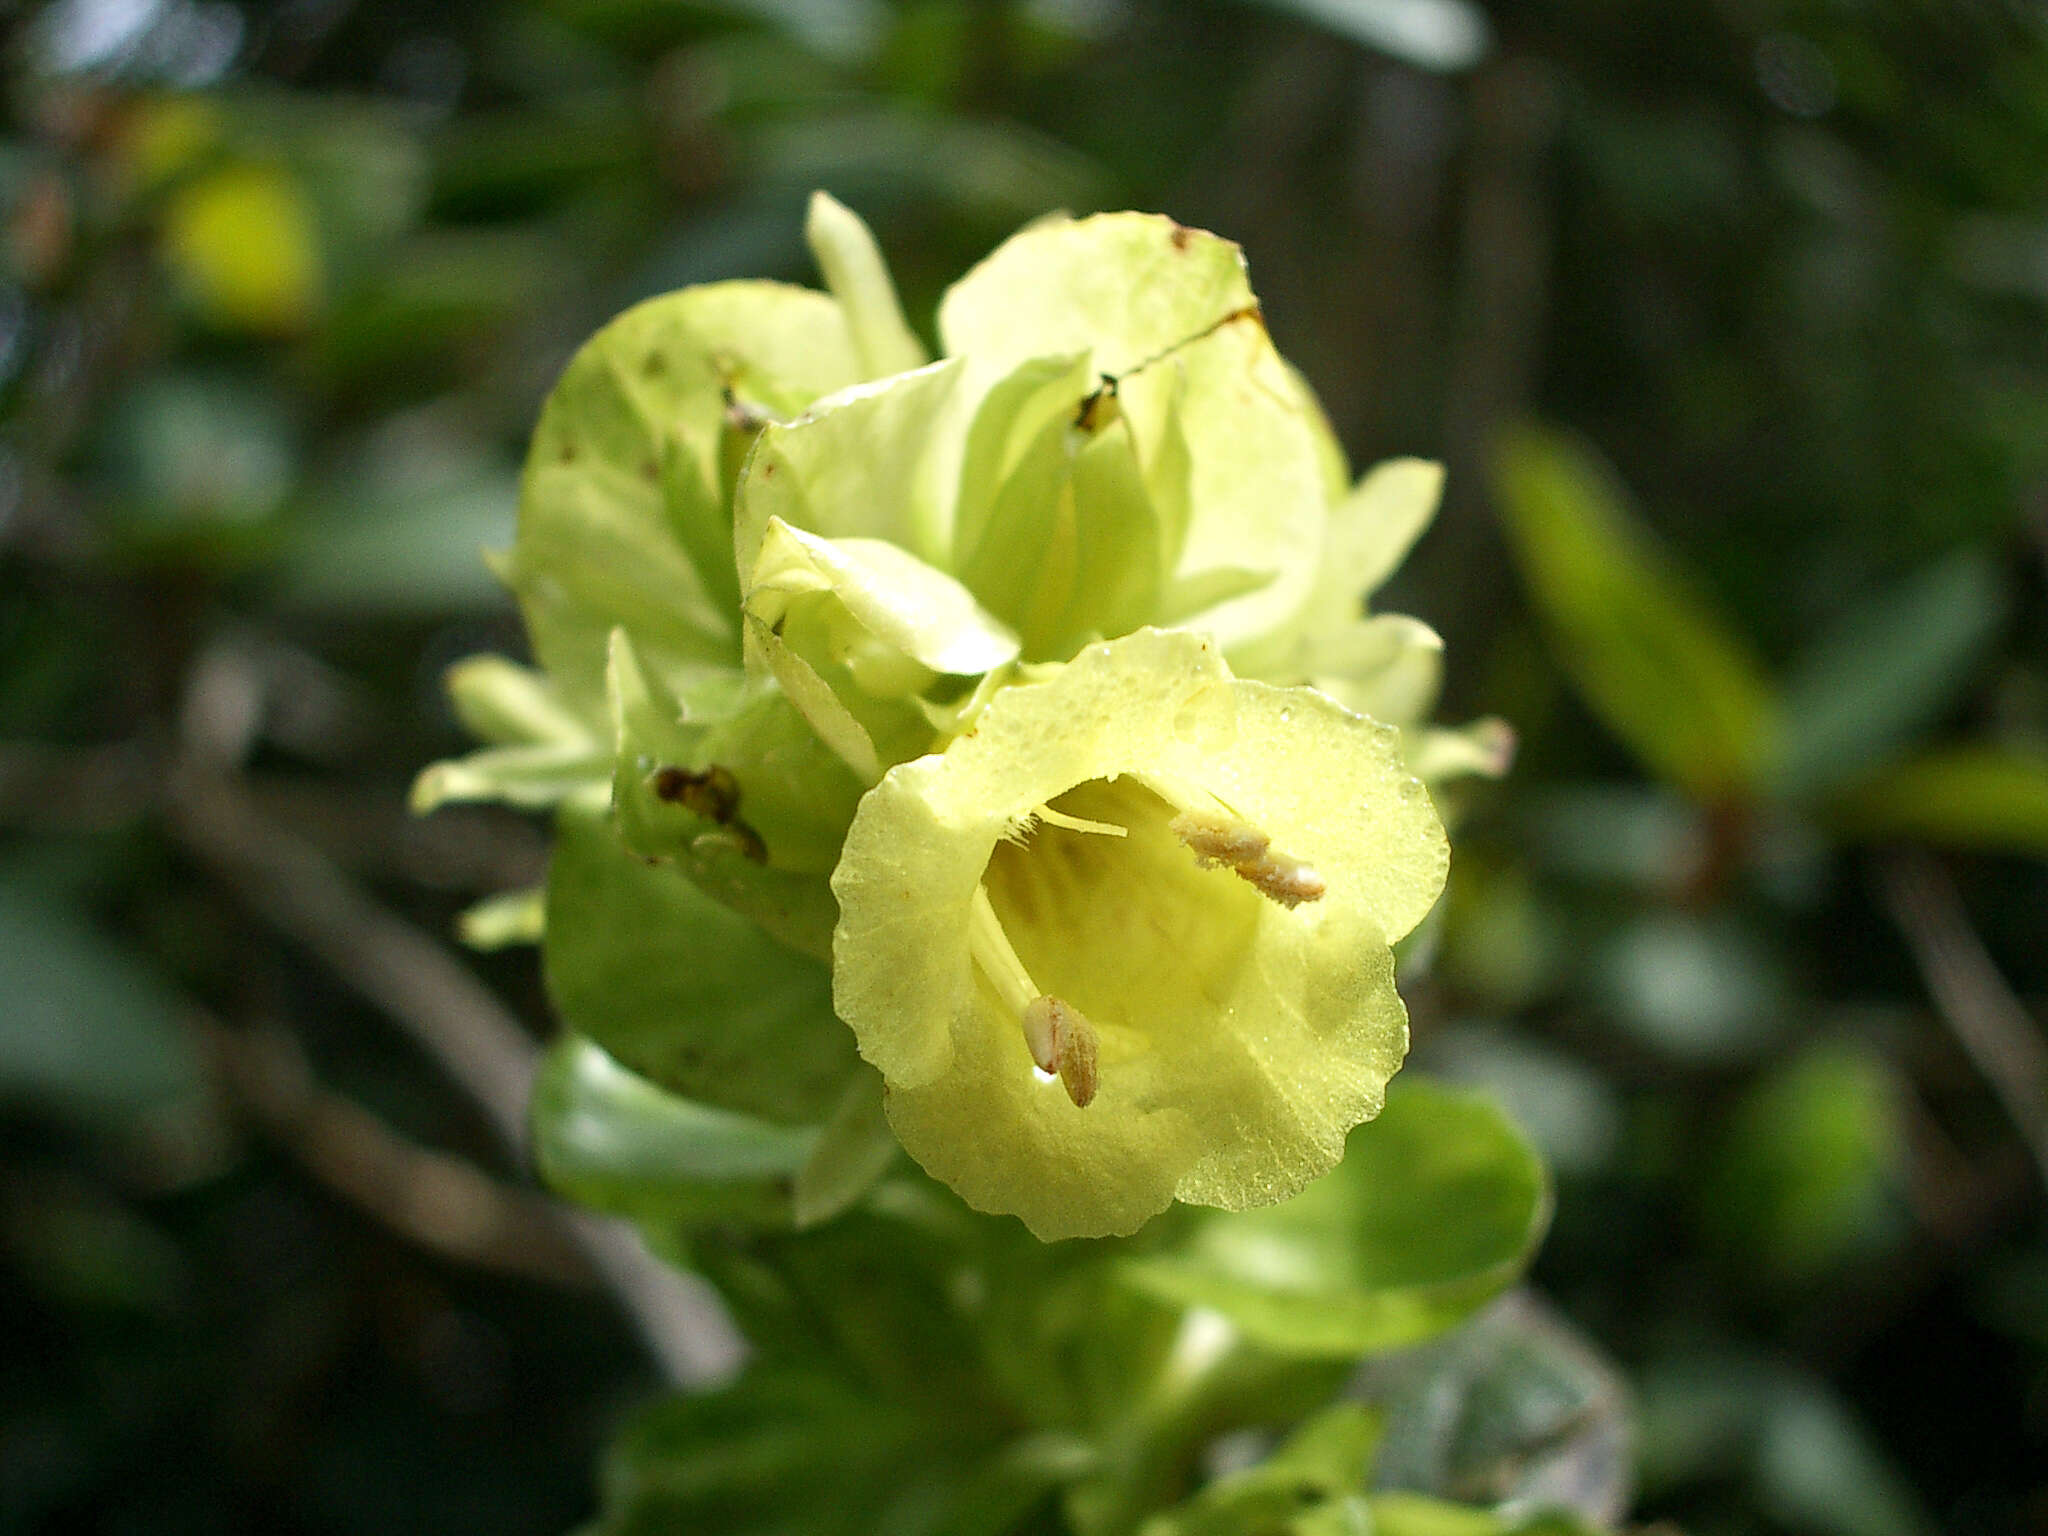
x=1226 y=842
x=1063 y=1041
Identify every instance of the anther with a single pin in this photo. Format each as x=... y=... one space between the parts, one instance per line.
x=1062 y=1040
x=1225 y=842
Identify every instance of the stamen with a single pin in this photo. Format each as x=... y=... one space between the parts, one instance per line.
x=1058 y=1034
x=1079 y=823
x=1234 y=844
x=998 y=961
x=1062 y=1040
x=1021 y=827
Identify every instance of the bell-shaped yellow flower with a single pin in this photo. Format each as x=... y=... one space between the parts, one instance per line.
x=1125 y=940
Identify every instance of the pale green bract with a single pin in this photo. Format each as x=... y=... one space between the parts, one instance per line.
x=1033 y=687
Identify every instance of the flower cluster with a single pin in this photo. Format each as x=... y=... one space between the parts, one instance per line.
x=1032 y=688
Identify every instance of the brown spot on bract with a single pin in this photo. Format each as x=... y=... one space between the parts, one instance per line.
x=712 y=793
x=655 y=365
x=1181 y=237
x=568 y=453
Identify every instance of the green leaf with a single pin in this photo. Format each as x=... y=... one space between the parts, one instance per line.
x=1711 y=1414
x=87 y=1030
x=1516 y=1410
x=1883 y=674
x=1652 y=659
x=243 y=244
x=1308 y=1487
x=1985 y=797
x=793 y=1449
x=195 y=463
x=1810 y=1172
x=615 y=1141
x=683 y=989
x=625 y=510
x=855 y=1149
x=1436 y=1208
x=1410 y=1514
x=777 y=1452
x=1702 y=987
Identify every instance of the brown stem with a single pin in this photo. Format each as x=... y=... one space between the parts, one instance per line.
x=449 y=1014
x=1969 y=993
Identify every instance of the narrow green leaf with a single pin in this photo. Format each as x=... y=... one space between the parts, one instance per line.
x=1887 y=671
x=1984 y=797
x=1650 y=656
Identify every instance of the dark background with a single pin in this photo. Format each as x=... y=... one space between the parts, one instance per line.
x=283 y=286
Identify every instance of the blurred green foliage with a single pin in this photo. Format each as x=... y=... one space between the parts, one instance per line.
x=281 y=288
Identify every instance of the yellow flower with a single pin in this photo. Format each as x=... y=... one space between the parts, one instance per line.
x=1126 y=940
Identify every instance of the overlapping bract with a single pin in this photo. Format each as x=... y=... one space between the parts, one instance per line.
x=919 y=647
